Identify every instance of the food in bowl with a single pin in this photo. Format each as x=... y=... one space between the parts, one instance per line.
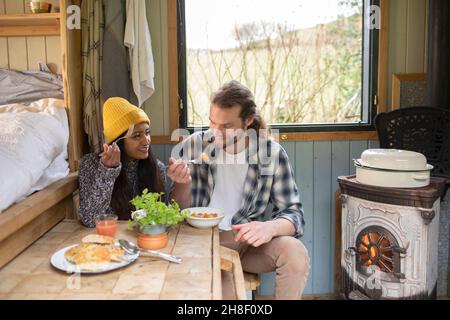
x=204 y=157
x=204 y=217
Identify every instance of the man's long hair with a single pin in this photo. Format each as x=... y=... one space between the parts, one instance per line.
x=234 y=93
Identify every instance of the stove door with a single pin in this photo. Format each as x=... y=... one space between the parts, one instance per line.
x=376 y=246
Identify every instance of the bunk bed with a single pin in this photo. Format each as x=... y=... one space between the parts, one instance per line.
x=26 y=221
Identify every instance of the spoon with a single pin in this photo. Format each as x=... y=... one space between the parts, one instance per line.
x=131 y=248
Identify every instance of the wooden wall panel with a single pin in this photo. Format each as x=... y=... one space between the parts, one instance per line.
x=398 y=35
x=17 y=53
x=340 y=158
x=37 y=52
x=24 y=53
x=304 y=176
x=156 y=106
x=407 y=38
x=415 y=52
x=165 y=67
x=4 y=59
x=373 y=144
x=53 y=45
x=26 y=5
x=3 y=43
x=14 y=6
x=425 y=44
x=289 y=147
x=321 y=279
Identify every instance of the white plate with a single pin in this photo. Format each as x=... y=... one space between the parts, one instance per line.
x=59 y=262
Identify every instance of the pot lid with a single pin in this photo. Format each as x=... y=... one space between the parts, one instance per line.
x=394 y=159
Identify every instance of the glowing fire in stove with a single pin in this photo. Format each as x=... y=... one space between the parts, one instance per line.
x=375 y=249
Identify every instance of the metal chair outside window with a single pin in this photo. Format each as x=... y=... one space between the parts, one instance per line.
x=420 y=129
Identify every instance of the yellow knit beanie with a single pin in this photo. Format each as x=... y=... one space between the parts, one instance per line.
x=118 y=116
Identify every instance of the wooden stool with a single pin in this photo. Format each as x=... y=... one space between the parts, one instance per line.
x=251 y=283
x=228 y=263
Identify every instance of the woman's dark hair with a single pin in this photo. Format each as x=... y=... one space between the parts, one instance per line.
x=148 y=175
x=234 y=93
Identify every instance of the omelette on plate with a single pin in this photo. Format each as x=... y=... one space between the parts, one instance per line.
x=94 y=255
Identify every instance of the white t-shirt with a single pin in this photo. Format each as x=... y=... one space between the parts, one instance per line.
x=229 y=186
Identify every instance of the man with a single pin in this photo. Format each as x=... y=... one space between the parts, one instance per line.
x=242 y=180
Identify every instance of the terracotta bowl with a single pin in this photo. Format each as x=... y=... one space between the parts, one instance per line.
x=153 y=241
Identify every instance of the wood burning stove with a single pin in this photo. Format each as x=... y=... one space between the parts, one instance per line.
x=389 y=240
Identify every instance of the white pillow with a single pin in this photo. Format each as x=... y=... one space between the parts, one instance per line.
x=33 y=148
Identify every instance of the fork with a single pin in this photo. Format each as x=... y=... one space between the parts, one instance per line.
x=127 y=135
x=193 y=162
x=203 y=159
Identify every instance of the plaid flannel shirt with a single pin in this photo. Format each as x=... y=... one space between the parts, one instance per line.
x=267 y=182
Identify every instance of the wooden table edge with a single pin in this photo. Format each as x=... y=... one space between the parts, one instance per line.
x=216 y=276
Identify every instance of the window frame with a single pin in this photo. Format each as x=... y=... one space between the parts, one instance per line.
x=377 y=85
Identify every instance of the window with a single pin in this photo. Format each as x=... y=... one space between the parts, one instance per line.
x=312 y=65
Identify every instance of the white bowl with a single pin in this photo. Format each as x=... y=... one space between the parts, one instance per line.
x=204 y=223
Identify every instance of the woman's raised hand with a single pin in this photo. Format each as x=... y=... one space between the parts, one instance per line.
x=111 y=155
x=178 y=171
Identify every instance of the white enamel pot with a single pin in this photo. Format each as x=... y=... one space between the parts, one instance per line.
x=393 y=168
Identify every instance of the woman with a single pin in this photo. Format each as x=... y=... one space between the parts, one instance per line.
x=126 y=167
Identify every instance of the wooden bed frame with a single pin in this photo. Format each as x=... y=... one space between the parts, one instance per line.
x=25 y=222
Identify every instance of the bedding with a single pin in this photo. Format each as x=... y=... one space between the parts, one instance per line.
x=33 y=148
x=28 y=86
